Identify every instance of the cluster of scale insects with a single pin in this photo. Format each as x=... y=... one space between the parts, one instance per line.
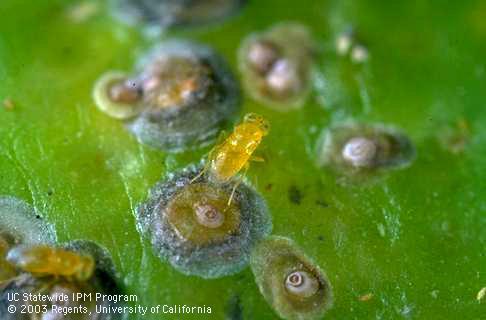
x=206 y=220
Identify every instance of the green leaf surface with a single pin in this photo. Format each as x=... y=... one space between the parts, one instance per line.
x=413 y=238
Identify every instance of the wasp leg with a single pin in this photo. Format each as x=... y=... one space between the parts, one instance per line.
x=221 y=137
x=206 y=165
x=203 y=171
x=209 y=157
x=238 y=182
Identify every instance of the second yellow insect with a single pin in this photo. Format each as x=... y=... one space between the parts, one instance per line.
x=42 y=260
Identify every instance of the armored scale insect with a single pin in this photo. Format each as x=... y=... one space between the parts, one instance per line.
x=204 y=221
x=178 y=97
x=192 y=224
x=276 y=65
x=43 y=260
x=360 y=149
x=289 y=280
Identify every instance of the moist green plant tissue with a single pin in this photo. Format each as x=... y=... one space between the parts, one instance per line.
x=372 y=177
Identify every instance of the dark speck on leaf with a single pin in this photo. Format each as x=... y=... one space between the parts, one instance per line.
x=234 y=310
x=242 y=277
x=322 y=203
x=67 y=50
x=320 y=238
x=50 y=192
x=295 y=195
x=269 y=187
x=37 y=216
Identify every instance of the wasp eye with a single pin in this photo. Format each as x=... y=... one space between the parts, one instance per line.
x=257 y=119
x=252 y=118
x=265 y=126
